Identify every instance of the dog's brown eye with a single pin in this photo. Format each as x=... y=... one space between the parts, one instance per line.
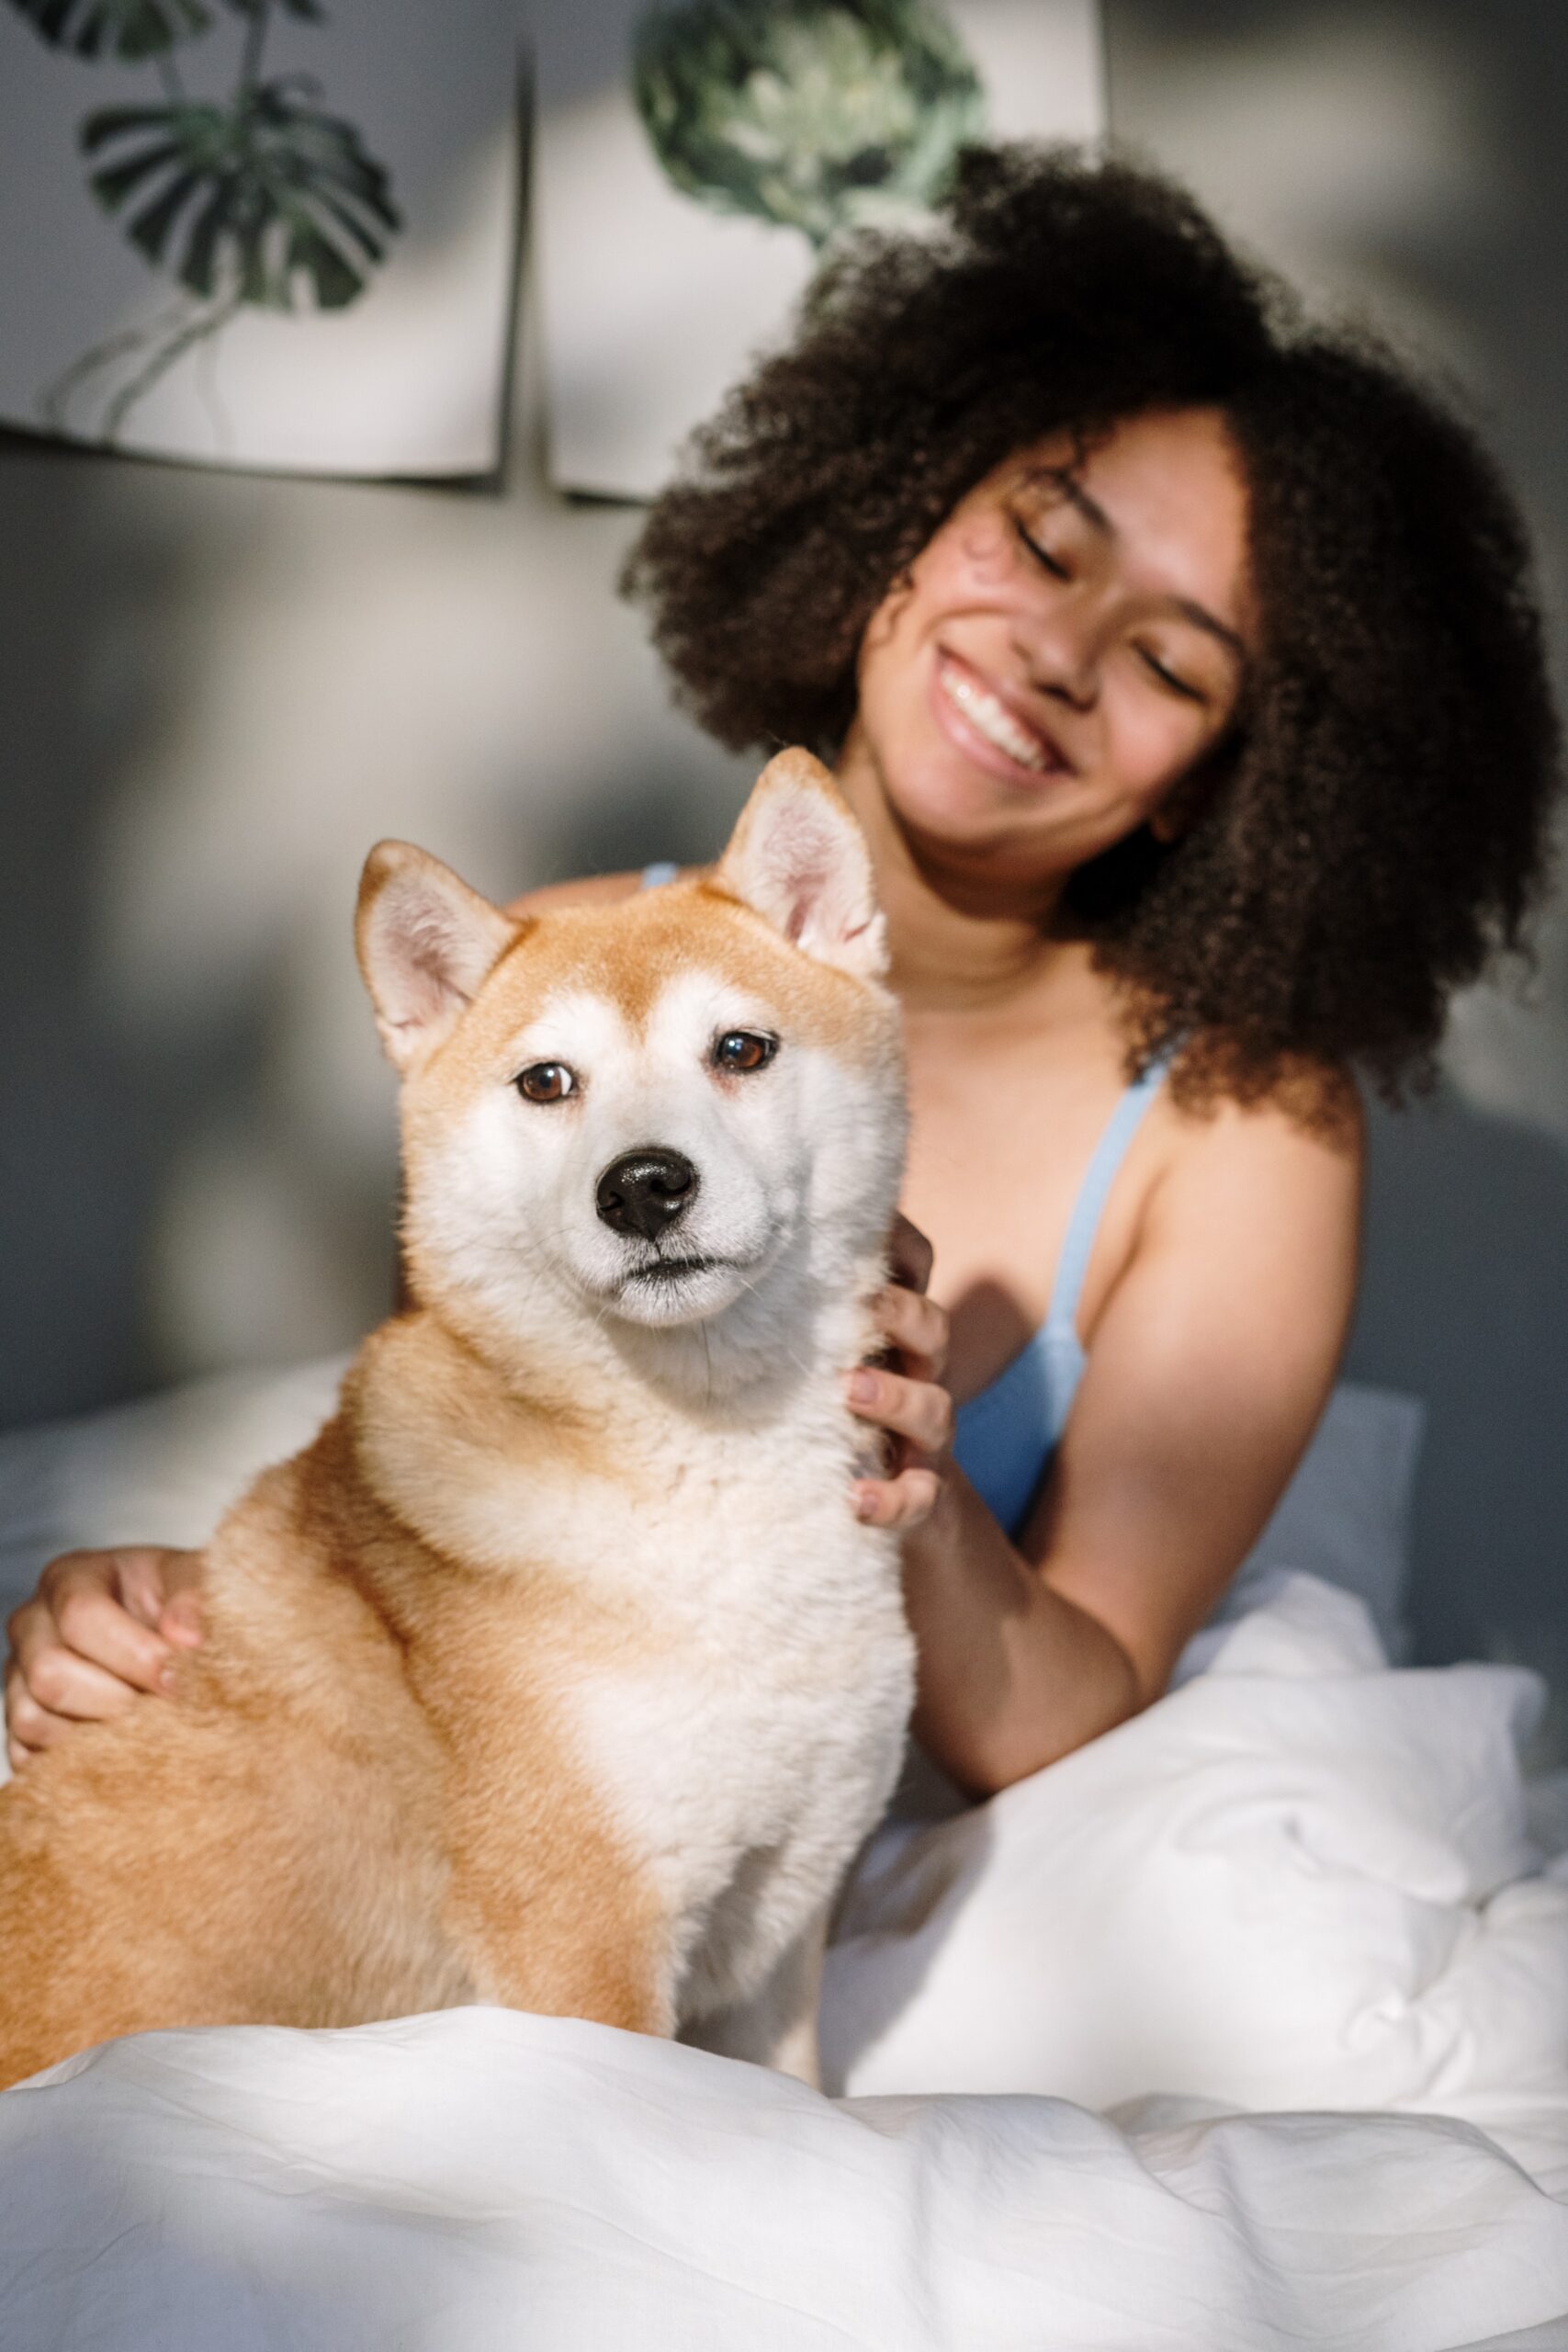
x=744 y=1049
x=546 y=1082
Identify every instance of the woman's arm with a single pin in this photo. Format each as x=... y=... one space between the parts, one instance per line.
x=1207 y=1368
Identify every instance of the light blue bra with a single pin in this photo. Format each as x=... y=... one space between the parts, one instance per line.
x=1006 y=1435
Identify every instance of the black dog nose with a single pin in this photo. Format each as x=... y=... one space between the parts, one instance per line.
x=645 y=1190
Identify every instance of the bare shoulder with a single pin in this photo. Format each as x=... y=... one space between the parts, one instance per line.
x=1266 y=1193
x=1310 y=1130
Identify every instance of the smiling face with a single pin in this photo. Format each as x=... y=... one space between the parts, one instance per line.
x=1070 y=644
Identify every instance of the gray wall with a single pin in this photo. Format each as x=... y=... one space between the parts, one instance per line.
x=1409 y=164
x=220 y=689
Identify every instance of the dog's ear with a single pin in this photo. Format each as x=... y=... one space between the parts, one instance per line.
x=798 y=858
x=425 y=942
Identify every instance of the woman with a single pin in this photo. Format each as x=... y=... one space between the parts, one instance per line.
x=1181 y=667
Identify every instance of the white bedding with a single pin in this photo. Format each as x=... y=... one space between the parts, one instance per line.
x=1305 y=1881
x=1304 y=1878
x=485 y=2182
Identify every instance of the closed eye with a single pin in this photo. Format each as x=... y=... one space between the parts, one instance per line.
x=1043 y=556
x=1168 y=679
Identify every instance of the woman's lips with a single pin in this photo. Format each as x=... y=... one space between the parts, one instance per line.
x=976 y=718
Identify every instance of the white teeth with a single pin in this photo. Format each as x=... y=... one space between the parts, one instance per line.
x=992 y=719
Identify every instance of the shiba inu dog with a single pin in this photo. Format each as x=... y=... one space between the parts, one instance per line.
x=557 y=1671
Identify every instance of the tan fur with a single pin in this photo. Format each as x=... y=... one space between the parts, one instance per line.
x=630 y=951
x=361 y=1792
x=372 y=1792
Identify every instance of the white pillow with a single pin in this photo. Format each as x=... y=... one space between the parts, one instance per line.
x=1302 y=1880
x=159 y=1472
x=1346 y=1514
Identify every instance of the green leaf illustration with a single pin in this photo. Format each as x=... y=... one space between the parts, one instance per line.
x=264 y=201
x=306 y=10
x=122 y=29
x=819 y=115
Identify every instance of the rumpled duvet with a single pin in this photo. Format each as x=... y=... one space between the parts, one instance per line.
x=1244 y=2028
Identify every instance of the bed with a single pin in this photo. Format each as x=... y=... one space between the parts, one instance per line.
x=1245 y=2027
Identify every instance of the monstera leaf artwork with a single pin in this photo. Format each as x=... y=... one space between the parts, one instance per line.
x=695 y=160
x=259 y=198
x=269 y=200
x=125 y=28
x=817 y=115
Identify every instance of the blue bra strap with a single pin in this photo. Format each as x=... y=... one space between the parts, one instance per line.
x=1094 y=1192
x=663 y=870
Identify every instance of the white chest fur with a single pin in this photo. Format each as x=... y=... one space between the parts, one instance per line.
x=746 y=1732
x=747 y=1763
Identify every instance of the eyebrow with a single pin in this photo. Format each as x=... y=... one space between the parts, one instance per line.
x=1202 y=617
x=1099 y=521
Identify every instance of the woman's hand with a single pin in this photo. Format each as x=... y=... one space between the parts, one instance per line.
x=101 y=1628
x=903 y=1393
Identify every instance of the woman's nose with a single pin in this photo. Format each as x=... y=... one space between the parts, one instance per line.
x=1061 y=654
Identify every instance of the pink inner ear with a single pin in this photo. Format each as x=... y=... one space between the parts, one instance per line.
x=425 y=948
x=803 y=863
x=428 y=942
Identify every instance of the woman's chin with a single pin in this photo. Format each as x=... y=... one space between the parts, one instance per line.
x=950 y=799
x=1011 y=825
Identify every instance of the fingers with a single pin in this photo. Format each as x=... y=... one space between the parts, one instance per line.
x=105 y=1607
x=136 y=1576
x=18 y=1750
x=909 y=1401
x=180 y=1619
x=29 y=1728
x=147 y=1579
x=58 y=1680
x=182 y=1622
x=917 y=1409
x=909 y=1254
x=918 y=1328
x=899 y=1502
x=99 y=1631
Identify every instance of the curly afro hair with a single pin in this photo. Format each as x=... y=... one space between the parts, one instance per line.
x=1377 y=822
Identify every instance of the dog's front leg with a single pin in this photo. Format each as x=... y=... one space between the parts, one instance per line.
x=544 y=1902
x=777 y=2025
x=547 y=1904
x=584 y=1941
